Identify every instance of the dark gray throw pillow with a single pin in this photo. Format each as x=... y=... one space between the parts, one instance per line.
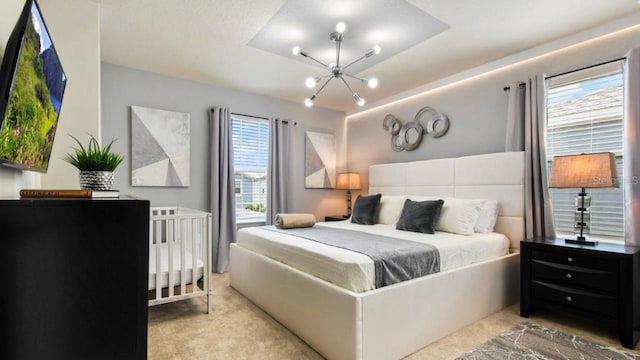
x=420 y=216
x=366 y=209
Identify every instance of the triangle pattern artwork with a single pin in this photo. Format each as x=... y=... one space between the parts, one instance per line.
x=319 y=161
x=160 y=147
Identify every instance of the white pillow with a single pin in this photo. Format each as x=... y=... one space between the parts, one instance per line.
x=390 y=209
x=459 y=216
x=487 y=218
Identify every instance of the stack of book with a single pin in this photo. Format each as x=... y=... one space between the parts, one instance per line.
x=68 y=193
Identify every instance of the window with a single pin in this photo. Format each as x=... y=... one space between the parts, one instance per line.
x=584 y=115
x=250 y=161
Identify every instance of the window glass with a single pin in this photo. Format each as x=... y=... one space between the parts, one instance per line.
x=584 y=115
x=250 y=157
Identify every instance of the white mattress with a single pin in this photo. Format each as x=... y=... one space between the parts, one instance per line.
x=164 y=266
x=355 y=271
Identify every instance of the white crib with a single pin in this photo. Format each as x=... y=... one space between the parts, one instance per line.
x=180 y=240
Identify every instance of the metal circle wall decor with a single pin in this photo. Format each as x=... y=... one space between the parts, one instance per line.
x=435 y=124
x=391 y=124
x=409 y=136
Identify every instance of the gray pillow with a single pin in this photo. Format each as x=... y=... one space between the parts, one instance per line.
x=420 y=216
x=366 y=209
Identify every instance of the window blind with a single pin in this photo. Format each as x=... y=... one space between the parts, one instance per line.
x=250 y=160
x=584 y=115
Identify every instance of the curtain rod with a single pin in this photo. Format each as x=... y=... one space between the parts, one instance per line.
x=572 y=71
x=509 y=87
x=586 y=67
x=261 y=118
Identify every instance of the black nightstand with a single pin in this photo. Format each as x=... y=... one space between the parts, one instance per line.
x=336 y=217
x=598 y=282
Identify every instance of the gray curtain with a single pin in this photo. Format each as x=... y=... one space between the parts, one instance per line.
x=279 y=169
x=526 y=130
x=631 y=147
x=223 y=202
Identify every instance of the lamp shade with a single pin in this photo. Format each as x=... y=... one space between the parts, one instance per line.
x=597 y=170
x=348 y=181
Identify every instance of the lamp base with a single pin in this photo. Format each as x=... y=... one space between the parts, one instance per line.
x=581 y=241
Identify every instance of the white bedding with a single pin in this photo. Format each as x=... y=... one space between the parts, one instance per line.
x=164 y=266
x=355 y=271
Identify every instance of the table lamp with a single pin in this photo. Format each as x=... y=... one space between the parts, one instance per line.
x=597 y=170
x=348 y=181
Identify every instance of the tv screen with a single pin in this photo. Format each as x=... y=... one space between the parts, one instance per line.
x=32 y=84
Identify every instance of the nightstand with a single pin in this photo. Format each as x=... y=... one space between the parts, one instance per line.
x=336 y=217
x=598 y=282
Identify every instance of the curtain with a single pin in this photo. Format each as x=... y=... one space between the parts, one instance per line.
x=278 y=172
x=631 y=147
x=526 y=130
x=223 y=203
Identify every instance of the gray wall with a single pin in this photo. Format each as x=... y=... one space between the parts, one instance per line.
x=123 y=87
x=477 y=107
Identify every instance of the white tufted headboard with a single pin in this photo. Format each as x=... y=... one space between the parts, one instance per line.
x=497 y=176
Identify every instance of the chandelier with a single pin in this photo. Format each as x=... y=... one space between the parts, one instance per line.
x=335 y=70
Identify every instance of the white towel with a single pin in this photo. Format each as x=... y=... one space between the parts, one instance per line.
x=290 y=221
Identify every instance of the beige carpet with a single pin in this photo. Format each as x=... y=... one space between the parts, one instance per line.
x=236 y=329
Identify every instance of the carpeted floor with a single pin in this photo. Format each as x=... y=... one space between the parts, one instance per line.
x=237 y=329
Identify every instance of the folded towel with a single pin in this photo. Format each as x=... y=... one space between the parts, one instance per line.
x=290 y=221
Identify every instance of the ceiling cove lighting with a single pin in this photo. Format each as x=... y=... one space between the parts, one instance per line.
x=336 y=71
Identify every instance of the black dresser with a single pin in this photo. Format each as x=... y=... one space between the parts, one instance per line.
x=598 y=282
x=74 y=277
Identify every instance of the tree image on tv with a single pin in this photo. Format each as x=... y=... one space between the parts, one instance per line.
x=30 y=121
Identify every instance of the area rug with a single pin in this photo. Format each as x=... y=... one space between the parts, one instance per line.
x=530 y=341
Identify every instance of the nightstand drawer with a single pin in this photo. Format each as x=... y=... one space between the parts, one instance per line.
x=590 y=262
x=579 y=299
x=601 y=280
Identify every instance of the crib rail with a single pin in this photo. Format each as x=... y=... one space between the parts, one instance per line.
x=180 y=255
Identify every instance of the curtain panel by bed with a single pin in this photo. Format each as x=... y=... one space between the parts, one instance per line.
x=526 y=129
x=279 y=169
x=631 y=147
x=223 y=203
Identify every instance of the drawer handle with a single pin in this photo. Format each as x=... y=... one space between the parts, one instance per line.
x=569 y=298
x=570 y=259
x=569 y=276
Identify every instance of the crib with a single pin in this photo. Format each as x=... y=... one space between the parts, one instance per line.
x=180 y=240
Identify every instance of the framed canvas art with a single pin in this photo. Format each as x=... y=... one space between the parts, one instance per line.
x=319 y=161
x=160 y=146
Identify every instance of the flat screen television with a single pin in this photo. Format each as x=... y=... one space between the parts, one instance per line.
x=32 y=84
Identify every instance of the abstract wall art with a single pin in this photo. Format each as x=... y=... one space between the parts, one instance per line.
x=160 y=146
x=319 y=161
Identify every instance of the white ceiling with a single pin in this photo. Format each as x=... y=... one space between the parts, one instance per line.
x=208 y=41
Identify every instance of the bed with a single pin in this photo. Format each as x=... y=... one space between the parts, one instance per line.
x=180 y=240
x=396 y=320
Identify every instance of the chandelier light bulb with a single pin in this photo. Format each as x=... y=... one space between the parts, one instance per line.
x=360 y=102
x=377 y=49
x=372 y=83
x=296 y=50
x=308 y=102
x=341 y=27
x=331 y=65
x=310 y=82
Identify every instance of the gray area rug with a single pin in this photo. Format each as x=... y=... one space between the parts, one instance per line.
x=531 y=341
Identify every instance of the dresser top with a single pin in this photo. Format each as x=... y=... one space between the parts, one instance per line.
x=602 y=246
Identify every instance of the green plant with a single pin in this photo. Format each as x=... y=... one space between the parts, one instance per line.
x=93 y=158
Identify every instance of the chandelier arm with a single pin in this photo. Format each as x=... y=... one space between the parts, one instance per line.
x=322 y=87
x=355 y=77
x=346 y=83
x=338 y=42
x=314 y=59
x=355 y=61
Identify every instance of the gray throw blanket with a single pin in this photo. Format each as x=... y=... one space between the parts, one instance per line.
x=395 y=260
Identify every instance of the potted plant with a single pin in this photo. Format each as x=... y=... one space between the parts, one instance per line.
x=96 y=164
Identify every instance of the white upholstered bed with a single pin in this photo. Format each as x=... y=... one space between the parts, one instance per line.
x=397 y=320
